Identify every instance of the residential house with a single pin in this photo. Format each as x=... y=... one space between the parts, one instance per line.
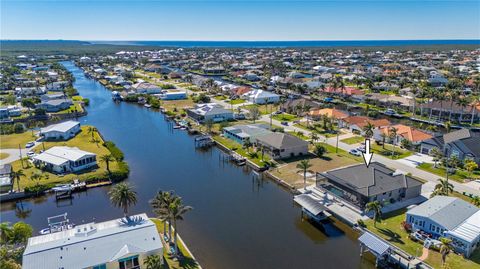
x=146 y=87
x=358 y=184
x=242 y=133
x=114 y=244
x=60 y=131
x=261 y=97
x=61 y=159
x=210 y=111
x=6 y=181
x=463 y=143
x=451 y=217
x=298 y=106
x=173 y=95
x=404 y=132
x=55 y=105
x=281 y=145
x=356 y=123
x=332 y=113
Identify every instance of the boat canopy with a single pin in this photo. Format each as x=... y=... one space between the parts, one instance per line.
x=311 y=205
x=374 y=244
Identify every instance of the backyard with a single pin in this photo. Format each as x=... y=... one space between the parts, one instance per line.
x=390 y=229
x=83 y=141
x=251 y=154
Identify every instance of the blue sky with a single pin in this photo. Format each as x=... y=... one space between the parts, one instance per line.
x=239 y=20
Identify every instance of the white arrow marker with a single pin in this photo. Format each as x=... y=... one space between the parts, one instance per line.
x=367 y=156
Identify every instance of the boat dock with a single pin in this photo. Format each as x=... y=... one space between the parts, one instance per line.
x=204 y=141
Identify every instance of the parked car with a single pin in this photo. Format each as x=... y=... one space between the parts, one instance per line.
x=30 y=144
x=361 y=149
x=284 y=123
x=30 y=153
x=390 y=112
x=328 y=99
x=355 y=152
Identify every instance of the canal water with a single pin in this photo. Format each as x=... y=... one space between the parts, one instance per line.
x=239 y=219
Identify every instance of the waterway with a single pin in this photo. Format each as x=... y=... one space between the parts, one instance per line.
x=239 y=219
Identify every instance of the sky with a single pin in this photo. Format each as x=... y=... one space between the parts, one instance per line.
x=239 y=20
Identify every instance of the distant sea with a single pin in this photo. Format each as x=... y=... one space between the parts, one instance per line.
x=284 y=44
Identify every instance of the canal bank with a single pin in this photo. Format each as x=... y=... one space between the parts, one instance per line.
x=240 y=220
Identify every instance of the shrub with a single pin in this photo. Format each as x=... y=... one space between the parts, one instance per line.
x=114 y=150
x=18 y=128
x=361 y=223
x=39 y=188
x=86 y=101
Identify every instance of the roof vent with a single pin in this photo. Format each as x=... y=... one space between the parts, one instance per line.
x=85 y=229
x=397 y=173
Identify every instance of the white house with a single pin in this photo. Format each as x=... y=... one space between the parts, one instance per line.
x=210 y=111
x=444 y=216
x=60 y=131
x=113 y=244
x=146 y=87
x=66 y=159
x=261 y=97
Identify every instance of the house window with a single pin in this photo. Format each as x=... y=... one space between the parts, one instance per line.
x=101 y=266
x=129 y=263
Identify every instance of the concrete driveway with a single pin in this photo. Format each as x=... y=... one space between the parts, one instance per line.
x=416 y=159
x=14 y=154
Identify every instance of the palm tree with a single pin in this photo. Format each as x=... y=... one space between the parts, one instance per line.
x=161 y=205
x=247 y=144
x=443 y=188
x=5 y=232
x=17 y=175
x=445 y=248
x=107 y=158
x=368 y=129
x=376 y=207
x=448 y=126
x=474 y=104
x=152 y=262
x=304 y=165
x=476 y=200
x=123 y=196
x=91 y=130
x=177 y=210
x=384 y=137
x=437 y=155
x=392 y=134
x=313 y=137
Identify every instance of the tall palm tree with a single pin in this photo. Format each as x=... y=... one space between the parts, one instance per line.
x=445 y=248
x=474 y=104
x=463 y=103
x=5 y=232
x=107 y=158
x=304 y=166
x=376 y=207
x=384 y=137
x=247 y=144
x=392 y=135
x=91 y=130
x=177 y=210
x=123 y=196
x=368 y=129
x=161 y=205
x=443 y=187
x=313 y=137
x=17 y=175
x=152 y=262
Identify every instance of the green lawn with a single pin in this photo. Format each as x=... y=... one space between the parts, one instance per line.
x=83 y=141
x=300 y=135
x=171 y=263
x=459 y=175
x=12 y=141
x=76 y=106
x=264 y=109
x=341 y=152
x=240 y=150
x=317 y=129
x=390 y=151
x=353 y=140
x=285 y=117
x=391 y=230
x=3 y=155
x=237 y=101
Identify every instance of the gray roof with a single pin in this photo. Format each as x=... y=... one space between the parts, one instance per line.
x=5 y=169
x=457 y=135
x=313 y=206
x=94 y=244
x=281 y=140
x=448 y=212
x=248 y=130
x=375 y=179
x=60 y=127
x=379 y=247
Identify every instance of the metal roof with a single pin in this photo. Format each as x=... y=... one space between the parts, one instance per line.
x=374 y=244
x=60 y=155
x=313 y=206
x=92 y=244
x=469 y=230
x=60 y=127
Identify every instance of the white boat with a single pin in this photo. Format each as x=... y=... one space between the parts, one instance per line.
x=65 y=187
x=57 y=224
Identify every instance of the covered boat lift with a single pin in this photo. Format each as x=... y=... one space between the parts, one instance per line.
x=313 y=208
x=374 y=245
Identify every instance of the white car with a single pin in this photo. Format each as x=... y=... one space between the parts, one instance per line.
x=355 y=152
x=31 y=153
x=30 y=144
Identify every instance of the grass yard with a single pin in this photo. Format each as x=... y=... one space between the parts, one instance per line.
x=353 y=140
x=300 y=135
x=75 y=107
x=287 y=170
x=170 y=105
x=237 y=101
x=187 y=262
x=240 y=150
x=390 y=229
x=12 y=141
x=459 y=175
x=264 y=109
x=317 y=129
x=83 y=141
x=398 y=153
x=285 y=117
x=3 y=155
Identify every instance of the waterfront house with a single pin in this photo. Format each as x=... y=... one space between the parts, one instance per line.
x=332 y=113
x=298 y=106
x=242 y=133
x=55 y=105
x=356 y=123
x=6 y=181
x=114 y=244
x=261 y=97
x=358 y=184
x=173 y=95
x=281 y=145
x=463 y=143
x=450 y=217
x=146 y=87
x=210 y=111
x=60 y=131
x=52 y=96
x=404 y=132
x=63 y=159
